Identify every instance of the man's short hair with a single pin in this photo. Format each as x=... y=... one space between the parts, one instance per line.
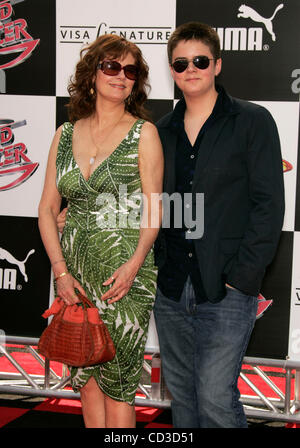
x=195 y=31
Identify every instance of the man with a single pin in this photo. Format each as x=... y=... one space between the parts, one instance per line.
x=205 y=310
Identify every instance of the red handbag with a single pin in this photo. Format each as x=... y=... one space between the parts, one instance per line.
x=76 y=336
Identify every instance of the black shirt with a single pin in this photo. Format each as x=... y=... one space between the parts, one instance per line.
x=181 y=257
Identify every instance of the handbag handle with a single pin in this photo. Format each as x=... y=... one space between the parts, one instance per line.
x=85 y=301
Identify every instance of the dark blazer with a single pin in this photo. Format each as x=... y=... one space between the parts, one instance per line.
x=239 y=169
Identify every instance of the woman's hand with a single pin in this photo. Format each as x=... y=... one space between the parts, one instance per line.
x=123 y=279
x=65 y=287
x=61 y=219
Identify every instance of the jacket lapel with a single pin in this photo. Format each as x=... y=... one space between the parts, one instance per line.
x=208 y=144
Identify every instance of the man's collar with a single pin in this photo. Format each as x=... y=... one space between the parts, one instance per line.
x=225 y=105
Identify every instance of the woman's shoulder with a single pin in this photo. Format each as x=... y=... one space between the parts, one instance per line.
x=149 y=141
x=149 y=130
x=67 y=126
x=63 y=136
x=63 y=128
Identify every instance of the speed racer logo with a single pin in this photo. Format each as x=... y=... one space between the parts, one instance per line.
x=15 y=165
x=14 y=37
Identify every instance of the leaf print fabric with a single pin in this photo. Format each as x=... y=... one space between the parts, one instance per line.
x=94 y=248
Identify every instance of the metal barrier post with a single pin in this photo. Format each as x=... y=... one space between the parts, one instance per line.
x=153 y=389
x=156 y=377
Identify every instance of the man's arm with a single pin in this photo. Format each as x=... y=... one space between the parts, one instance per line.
x=266 y=191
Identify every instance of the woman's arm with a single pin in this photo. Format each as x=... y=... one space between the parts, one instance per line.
x=49 y=208
x=151 y=172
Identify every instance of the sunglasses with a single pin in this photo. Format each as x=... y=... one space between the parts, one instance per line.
x=113 y=68
x=201 y=62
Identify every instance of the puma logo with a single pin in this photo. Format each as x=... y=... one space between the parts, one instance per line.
x=5 y=255
x=248 y=13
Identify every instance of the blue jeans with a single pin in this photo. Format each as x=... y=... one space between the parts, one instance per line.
x=202 y=349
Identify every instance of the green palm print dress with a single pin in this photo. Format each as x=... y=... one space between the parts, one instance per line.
x=101 y=233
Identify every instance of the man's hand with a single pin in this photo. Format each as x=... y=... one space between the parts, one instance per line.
x=61 y=220
x=229 y=286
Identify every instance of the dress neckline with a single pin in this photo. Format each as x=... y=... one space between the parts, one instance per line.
x=107 y=158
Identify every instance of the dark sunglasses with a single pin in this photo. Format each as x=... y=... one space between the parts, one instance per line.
x=201 y=62
x=113 y=68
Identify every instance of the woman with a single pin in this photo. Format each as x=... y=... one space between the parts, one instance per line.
x=106 y=148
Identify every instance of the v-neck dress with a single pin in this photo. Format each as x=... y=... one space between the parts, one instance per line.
x=101 y=233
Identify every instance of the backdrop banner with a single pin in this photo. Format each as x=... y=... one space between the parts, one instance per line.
x=40 y=42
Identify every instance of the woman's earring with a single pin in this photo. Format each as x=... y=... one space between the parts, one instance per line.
x=92 y=91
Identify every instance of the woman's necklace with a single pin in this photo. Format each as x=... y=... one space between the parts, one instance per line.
x=93 y=158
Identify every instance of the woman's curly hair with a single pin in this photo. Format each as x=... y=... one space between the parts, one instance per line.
x=81 y=86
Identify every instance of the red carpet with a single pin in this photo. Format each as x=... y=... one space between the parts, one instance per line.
x=29 y=412
x=20 y=412
x=61 y=413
